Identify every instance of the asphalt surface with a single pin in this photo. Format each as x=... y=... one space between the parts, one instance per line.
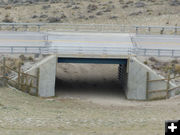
x=87 y=43
x=158 y=42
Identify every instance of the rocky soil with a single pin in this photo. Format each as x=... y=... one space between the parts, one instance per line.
x=125 y=12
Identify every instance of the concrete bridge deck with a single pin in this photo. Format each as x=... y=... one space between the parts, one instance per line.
x=102 y=44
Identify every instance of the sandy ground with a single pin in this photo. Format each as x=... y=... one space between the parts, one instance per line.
x=24 y=114
x=91 y=82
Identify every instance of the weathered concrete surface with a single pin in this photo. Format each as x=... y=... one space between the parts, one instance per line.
x=47 y=76
x=137 y=75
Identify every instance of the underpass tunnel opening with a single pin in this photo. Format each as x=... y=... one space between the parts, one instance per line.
x=99 y=77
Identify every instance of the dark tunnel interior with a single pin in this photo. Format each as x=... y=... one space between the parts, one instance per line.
x=88 y=79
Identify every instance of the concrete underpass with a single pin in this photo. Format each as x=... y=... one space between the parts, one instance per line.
x=102 y=75
x=92 y=77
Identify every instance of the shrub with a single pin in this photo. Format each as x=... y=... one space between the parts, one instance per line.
x=145 y=62
x=153 y=59
x=31 y=58
x=177 y=68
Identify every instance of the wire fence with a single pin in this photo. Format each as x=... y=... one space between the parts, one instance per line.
x=103 y=28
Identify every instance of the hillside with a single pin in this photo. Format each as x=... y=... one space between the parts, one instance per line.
x=125 y=12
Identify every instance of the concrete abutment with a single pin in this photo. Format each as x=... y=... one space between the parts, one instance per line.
x=132 y=76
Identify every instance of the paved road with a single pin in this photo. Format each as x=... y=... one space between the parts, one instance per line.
x=89 y=43
x=157 y=42
x=22 y=39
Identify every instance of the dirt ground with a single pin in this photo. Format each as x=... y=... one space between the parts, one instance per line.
x=22 y=114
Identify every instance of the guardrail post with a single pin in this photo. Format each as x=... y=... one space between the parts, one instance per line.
x=158 y=52
x=38 y=28
x=25 y=49
x=39 y=50
x=144 y=52
x=175 y=30
x=12 y=49
x=137 y=30
x=13 y=28
x=26 y=27
x=149 y=29
x=172 y=53
x=102 y=30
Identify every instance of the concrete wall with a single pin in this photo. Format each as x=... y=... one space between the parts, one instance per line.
x=136 y=88
x=47 y=76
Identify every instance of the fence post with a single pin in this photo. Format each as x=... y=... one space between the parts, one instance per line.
x=4 y=72
x=172 y=53
x=37 y=82
x=19 y=75
x=168 y=80
x=147 y=86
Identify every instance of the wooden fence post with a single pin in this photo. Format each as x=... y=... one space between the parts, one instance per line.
x=19 y=75
x=147 y=86
x=37 y=82
x=4 y=72
x=167 y=89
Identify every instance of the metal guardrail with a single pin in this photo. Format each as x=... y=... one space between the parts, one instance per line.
x=23 y=50
x=48 y=49
x=88 y=50
x=104 y=28
x=157 y=52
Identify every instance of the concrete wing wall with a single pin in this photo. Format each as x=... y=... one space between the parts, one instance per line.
x=137 y=75
x=47 y=76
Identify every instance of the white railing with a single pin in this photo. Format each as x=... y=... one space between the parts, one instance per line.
x=23 y=50
x=88 y=51
x=157 y=52
x=105 y=28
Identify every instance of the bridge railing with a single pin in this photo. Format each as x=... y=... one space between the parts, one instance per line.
x=157 y=52
x=104 y=28
x=88 y=50
x=23 y=49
